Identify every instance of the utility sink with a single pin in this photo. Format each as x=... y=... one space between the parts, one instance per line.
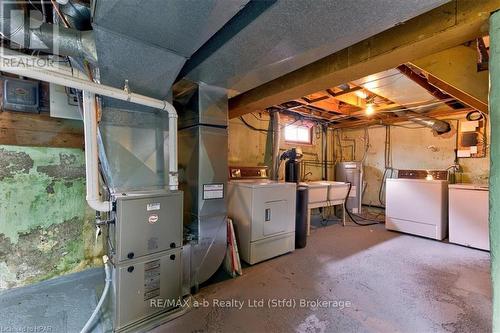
x=323 y=190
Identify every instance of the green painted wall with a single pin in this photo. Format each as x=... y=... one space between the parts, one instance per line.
x=494 y=100
x=46 y=227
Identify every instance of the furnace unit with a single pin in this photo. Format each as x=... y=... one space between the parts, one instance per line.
x=146 y=241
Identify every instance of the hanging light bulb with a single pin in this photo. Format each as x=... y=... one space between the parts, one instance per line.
x=369 y=109
x=361 y=94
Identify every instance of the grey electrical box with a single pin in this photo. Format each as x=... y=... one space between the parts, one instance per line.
x=21 y=95
x=63 y=102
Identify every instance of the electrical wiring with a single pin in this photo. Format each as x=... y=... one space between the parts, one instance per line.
x=252 y=127
x=381 y=78
x=259 y=119
x=406 y=107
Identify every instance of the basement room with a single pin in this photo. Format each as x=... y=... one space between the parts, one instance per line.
x=249 y=165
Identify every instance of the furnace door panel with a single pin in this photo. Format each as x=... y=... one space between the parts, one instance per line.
x=148 y=225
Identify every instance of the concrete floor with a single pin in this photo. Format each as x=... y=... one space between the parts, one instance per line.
x=394 y=282
x=59 y=305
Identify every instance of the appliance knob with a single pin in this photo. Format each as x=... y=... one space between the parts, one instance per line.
x=130 y=269
x=172 y=245
x=130 y=255
x=172 y=256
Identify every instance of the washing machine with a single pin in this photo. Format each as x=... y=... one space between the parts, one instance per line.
x=263 y=213
x=417 y=206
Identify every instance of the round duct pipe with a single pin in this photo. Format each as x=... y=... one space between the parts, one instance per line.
x=439 y=126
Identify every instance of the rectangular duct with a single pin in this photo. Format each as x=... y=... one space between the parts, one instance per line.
x=203 y=169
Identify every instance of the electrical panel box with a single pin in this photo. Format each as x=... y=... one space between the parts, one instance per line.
x=64 y=103
x=21 y=95
x=147 y=224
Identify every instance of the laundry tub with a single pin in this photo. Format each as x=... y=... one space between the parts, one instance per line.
x=318 y=191
x=325 y=190
x=337 y=190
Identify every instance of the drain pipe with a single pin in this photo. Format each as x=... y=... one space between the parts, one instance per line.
x=61 y=77
x=91 y=154
x=275 y=118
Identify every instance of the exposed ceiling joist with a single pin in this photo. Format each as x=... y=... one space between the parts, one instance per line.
x=444 y=27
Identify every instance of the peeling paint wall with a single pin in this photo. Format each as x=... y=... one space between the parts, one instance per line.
x=251 y=148
x=46 y=227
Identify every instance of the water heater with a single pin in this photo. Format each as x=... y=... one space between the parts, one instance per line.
x=351 y=172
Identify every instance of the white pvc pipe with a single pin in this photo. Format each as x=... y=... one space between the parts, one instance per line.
x=91 y=154
x=173 y=180
x=62 y=76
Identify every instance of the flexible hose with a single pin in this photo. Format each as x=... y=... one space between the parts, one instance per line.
x=361 y=217
x=107 y=271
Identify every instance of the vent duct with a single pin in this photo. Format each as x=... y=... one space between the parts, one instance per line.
x=31 y=33
x=439 y=126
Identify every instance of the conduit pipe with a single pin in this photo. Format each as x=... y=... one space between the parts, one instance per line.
x=53 y=74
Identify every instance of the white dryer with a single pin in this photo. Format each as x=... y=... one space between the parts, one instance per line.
x=263 y=214
x=469 y=213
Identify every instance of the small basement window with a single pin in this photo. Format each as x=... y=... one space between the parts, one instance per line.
x=298 y=134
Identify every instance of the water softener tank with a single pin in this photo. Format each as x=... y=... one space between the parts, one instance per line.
x=292 y=171
x=292 y=164
x=301 y=217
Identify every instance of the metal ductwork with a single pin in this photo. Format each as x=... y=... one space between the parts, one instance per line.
x=291 y=34
x=440 y=126
x=31 y=33
x=398 y=88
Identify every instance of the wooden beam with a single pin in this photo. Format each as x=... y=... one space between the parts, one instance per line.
x=393 y=119
x=455 y=71
x=446 y=26
x=343 y=92
x=458 y=94
x=39 y=130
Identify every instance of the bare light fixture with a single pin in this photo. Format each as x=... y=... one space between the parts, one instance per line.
x=369 y=109
x=361 y=94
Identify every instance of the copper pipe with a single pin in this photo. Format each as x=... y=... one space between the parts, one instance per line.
x=59 y=13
